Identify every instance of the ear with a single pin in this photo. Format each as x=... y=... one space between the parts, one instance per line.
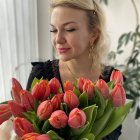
x=94 y=36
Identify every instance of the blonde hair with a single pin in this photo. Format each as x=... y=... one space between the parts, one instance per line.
x=96 y=19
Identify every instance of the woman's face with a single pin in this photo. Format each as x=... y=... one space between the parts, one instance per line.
x=69 y=33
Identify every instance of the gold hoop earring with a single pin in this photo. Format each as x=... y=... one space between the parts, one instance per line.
x=92 y=56
x=91 y=50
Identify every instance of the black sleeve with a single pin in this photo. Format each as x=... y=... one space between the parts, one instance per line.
x=40 y=70
x=114 y=135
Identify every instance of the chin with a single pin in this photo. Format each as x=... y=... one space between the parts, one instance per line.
x=64 y=58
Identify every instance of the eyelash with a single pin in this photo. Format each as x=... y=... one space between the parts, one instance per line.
x=70 y=30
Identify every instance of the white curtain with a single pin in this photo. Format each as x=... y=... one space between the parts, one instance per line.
x=18 y=42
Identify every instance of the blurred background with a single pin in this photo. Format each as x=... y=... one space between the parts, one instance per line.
x=25 y=37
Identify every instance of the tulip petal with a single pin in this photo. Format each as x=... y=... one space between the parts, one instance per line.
x=16 y=88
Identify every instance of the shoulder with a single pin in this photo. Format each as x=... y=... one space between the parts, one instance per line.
x=106 y=73
x=41 y=70
x=45 y=69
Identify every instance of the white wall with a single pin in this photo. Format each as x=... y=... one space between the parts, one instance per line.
x=45 y=49
x=121 y=19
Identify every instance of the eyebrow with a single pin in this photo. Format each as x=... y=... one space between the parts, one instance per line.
x=64 y=24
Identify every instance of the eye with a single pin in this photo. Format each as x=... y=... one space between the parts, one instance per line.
x=71 y=30
x=53 y=30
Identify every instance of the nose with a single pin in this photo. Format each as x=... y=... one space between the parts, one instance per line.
x=60 y=39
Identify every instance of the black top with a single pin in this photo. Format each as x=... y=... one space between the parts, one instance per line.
x=50 y=69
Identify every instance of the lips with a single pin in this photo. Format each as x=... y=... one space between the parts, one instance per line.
x=63 y=50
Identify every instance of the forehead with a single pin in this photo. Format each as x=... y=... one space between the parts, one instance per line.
x=61 y=15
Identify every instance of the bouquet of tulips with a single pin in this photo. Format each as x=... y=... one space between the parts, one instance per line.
x=85 y=111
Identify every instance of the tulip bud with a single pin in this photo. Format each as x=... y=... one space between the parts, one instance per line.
x=27 y=100
x=22 y=126
x=58 y=119
x=41 y=90
x=30 y=136
x=5 y=113
x=118 y=95
x=103 y=88
x=60 y=96
x=88 y=87
x=68 y=86
x=71 y=99
x=116 y=76
x=43 y=137
x=45 y=110
x=16 y=109
x=77 y=118
x=16 y=88
x=80 y=84
x=56 y=101
x=54 y=85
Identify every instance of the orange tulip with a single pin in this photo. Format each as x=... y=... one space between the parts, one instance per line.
x=54 y=85
x=56 y=101
x=16 y=88
x=5 y=113
x=77 y=118
x=41 y=90
x=43 y=137
x=22 y=126
x=80 y=84
x=58 y=119
x=88 y=87
x=30 y=136
x=71 y=99
x=103 y=87
x=118 y=95
x=16 y=109
x=45 y=110
x=27 y=100
x=68 y=86
x=116 y=76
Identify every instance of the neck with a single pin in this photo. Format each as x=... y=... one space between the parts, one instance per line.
x=81 y=68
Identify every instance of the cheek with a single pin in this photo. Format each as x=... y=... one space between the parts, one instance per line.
x=53 y=41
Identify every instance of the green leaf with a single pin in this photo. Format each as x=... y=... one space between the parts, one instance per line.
x=137 y=115
x=36 y=128
x=63 y=106
x=100 y=124
x=79 y=131
x=76 y=92
x=117 y=117
x=36 y=104
x=88 y=136
x=121 y=41
x=105 y=1
x=111 y=84
x=34 y=82
x=101 y=103
x=31 y=116
x=6 y=102
x=90 y=111
x=137 y=28
x=53 y=135
x=83 y=99
x=46 y=126
x=120 y=51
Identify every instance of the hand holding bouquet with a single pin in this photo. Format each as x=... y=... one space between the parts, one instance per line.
x=85 y=111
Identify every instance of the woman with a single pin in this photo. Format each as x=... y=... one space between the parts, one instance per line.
x=79 y=37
